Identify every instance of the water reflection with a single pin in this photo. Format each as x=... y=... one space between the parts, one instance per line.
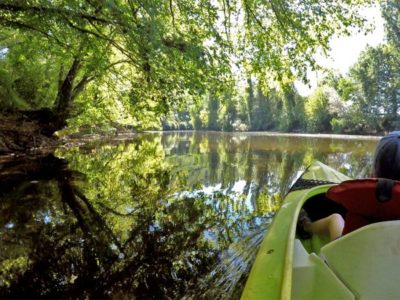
x=164 y=216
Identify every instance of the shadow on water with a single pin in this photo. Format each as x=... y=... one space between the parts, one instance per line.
x=164 y=216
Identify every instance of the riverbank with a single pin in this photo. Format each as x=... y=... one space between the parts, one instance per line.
x=315 y=135
x=21 y=135
x=276 y=133
x=18 y=133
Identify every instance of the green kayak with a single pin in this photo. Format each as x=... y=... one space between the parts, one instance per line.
x=363 y=264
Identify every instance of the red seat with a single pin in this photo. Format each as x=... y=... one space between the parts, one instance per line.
x=367 y=201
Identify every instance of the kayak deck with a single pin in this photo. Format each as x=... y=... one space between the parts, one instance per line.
x=360 y=265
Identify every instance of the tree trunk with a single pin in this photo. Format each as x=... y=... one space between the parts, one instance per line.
x=65 y=97
x=21 y=131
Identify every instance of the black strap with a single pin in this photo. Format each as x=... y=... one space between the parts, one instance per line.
x=384 y=189
x=302 y=184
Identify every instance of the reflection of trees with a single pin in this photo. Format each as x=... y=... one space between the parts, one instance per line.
x=63 y=243
x=24 y=217
x=93 y=247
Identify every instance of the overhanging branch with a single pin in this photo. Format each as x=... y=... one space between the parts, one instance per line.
x=14 y=8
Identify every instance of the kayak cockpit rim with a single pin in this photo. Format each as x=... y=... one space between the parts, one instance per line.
x=286 y=288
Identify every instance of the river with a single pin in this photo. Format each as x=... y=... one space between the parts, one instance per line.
x=175 y=215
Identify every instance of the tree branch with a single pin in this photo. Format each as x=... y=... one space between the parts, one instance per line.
x=113 y=211
x=15 y=8
x=133 y=9
x=227 y=16
x=86 y=79
x=172 y=13
x=20 y=25
x=102 y=37
x=249 y=10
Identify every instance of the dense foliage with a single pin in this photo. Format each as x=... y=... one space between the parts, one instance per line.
x=174 y=64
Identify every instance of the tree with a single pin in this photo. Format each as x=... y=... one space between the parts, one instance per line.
x=229 y=112
x=140 y=54
x=260 y=111
x=250 y=102
x=318 y=116
x=196 y=117
x=391 y=13
x=213 y=106
x=293 y=109
x=143 y=58
x=377 y=72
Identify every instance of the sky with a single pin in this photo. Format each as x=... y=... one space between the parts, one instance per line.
x=346 y=50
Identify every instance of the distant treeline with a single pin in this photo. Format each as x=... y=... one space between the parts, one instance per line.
x=366 y=101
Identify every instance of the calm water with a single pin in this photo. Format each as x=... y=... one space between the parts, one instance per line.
x=174 y=215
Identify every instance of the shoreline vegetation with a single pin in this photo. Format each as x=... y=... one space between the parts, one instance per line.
x=278 y=133
x=34 y=142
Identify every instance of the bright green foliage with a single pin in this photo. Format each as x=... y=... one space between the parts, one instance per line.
x=293 y=110
x=344 y=116
x=177 y=120
x=347 y=88
x=130 y=62
x=8 y=97
x=229 y=111
x=391 y=14
x=378 y=74
x=279 y=108
x=283 y=35
x=343 y=106
x=134 y=55
x=213 y=106
x=242 y=122
x=26 y=76
x=250 y=100
x=317 y=114
x=252 y=110
x=260 y=114
x=195 y=116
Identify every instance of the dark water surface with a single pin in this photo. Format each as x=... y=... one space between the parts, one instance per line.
x=162 y=216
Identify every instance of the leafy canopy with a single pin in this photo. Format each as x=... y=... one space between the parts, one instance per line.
x=142 y=56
